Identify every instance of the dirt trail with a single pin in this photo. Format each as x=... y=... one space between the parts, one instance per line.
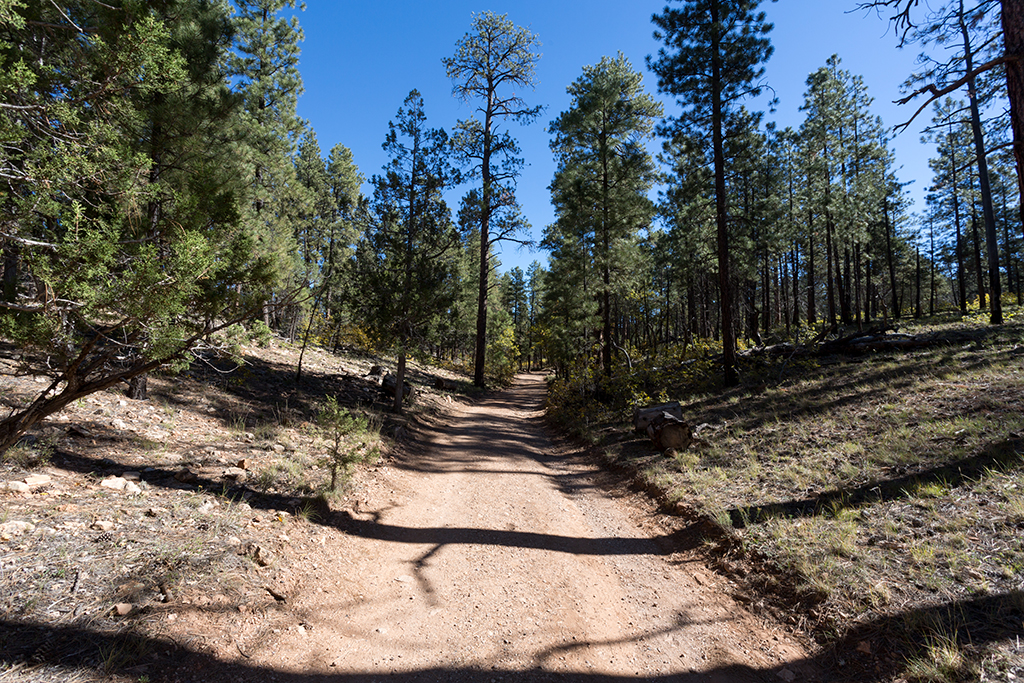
x=492 y=558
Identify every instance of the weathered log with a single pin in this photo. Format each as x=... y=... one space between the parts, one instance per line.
x=642 y=417
x=442 y=383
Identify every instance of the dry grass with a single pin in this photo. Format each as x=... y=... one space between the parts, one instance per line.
x=178 y=549
x=881 y=486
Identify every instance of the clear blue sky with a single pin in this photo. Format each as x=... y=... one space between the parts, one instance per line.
x=361 y=59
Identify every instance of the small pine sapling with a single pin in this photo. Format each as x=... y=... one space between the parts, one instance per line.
x=348 y=438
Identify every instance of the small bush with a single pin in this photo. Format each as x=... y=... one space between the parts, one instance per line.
x=259 y=334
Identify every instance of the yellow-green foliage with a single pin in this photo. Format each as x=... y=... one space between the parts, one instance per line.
x=502 y=357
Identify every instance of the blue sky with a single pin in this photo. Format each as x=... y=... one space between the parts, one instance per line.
x=361 y=59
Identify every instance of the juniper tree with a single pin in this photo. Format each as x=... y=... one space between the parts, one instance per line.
x=120 y=207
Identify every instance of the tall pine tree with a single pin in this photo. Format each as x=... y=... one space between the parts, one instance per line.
x=712 y=59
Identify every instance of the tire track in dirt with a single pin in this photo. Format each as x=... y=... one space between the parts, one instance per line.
x=493 y=558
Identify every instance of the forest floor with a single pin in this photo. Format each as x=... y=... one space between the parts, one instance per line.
x=873 y=499
x=178 y=539
x=855 y=518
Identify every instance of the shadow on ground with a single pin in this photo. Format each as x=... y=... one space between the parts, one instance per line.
x=48 y=650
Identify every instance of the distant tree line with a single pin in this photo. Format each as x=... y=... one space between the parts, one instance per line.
x=162 y=195
x=762 y=234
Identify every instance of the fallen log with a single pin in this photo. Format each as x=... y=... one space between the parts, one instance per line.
x=445 y=384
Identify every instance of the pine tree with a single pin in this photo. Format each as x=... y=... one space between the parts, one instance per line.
x=712 y=59
x=976 y=58
x=404 y=257
x=600 y=146
x=489 y=65
x=516 y=302
x=949 y=197
x=265 y=69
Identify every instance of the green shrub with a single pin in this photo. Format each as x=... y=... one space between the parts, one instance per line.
x=259 y=334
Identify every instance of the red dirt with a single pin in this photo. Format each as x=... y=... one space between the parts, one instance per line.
x=488 y=554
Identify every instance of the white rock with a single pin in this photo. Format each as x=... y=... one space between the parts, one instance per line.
x=235 y=473
x=16 y=528
x=131 y=488
x=38 y=479
x=115 y=483
x=17 y=487
x=102 y=525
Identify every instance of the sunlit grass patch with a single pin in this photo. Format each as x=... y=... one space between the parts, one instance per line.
x=943 y=661
x=881 y=482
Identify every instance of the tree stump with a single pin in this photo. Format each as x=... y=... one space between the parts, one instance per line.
x=642 y=417
x=668 y=431
x=137 y=387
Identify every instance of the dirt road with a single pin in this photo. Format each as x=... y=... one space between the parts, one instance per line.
x=487 y=557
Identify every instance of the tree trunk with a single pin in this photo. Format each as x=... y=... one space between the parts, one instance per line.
x=730 y=376
x=796 y=283
x=830 y=288
x=891 y=257
x=812 y=312
x=982 y=304
x=961 y=280
x=995 y=287
x=857 y=302
x=1013 y=49
x=917 y=278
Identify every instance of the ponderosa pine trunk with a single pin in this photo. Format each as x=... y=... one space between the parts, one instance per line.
x=995 y=287
x=730 y=377
x=1013 y=49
